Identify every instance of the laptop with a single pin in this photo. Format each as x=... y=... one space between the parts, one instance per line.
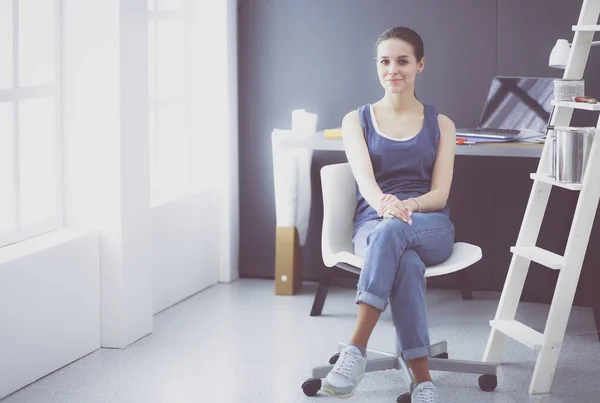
x=513 y=104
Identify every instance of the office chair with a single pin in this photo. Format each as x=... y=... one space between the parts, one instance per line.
x=339 y=202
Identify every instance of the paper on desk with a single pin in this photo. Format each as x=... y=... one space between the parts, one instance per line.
x=291 y=175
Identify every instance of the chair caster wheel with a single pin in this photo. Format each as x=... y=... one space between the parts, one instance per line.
x=311 y=386
x=443 y=356
x=334 y=358
x=488 y=383
x=405 y=398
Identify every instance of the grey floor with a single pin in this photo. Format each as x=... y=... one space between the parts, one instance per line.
x=241 y=343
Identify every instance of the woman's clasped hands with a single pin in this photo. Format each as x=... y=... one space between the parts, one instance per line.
x=390 y=206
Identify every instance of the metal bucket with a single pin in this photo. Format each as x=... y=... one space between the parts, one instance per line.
x=571 y=150
x=564 y=90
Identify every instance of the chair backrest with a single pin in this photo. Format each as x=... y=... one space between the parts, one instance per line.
x=339 y=204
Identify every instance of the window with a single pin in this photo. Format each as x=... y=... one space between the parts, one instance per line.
x=30 y=124
x=168 y=44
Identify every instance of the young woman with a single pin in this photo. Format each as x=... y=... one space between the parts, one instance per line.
x=402 y=155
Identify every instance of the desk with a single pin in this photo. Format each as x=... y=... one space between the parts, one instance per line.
x=320 y=143
x=292 y=157
x=504 y=187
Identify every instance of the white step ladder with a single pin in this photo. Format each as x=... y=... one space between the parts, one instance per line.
x=548 y=344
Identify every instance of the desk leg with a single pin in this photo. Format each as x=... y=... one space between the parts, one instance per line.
x=321 y=294
x=596 y=309
x=465 y=285
x=288 y=261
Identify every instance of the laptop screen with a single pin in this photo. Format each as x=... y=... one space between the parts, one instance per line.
x=516 y=103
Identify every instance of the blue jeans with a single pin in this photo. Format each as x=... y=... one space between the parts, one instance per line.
x=396 y=255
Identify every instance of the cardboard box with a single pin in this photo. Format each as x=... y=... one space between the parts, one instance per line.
x=288 y=261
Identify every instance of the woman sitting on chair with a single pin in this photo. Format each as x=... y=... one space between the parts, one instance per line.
x=402 y=154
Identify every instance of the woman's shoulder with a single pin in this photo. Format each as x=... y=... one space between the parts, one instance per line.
x=358 y=120
x=363 y=109
x=445 y=122
x=442 y=119
x=357 y=115
x=352 y=116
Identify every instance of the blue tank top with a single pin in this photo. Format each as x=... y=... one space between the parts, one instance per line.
x=401 y=167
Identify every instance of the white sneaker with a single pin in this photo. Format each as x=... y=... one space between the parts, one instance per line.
x=424 y=393
x=347 y=372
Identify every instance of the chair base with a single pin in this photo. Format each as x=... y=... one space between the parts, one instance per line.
x=381 y=361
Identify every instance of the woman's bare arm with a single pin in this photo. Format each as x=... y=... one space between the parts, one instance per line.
x=443 y=169
x=357 y=154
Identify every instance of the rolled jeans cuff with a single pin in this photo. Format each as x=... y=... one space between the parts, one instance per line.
x=366 y=297
x=417 y=352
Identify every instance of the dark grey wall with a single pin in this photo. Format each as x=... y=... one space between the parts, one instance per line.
x=318 y=55
x=527 y=31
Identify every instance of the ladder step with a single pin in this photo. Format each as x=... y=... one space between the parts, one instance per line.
x=547 y=179
x=577 y=105
x=539 y=255
x=592 y=28
x=523 y=334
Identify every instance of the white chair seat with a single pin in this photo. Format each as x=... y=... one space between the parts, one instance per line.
x=463 y=255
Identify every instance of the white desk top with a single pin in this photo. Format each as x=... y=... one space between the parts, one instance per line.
x=320 y=143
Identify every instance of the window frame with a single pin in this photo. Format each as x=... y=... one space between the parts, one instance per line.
x=17 y=94
x=161 y=194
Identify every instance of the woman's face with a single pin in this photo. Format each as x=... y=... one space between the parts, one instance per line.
x=397 y=66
